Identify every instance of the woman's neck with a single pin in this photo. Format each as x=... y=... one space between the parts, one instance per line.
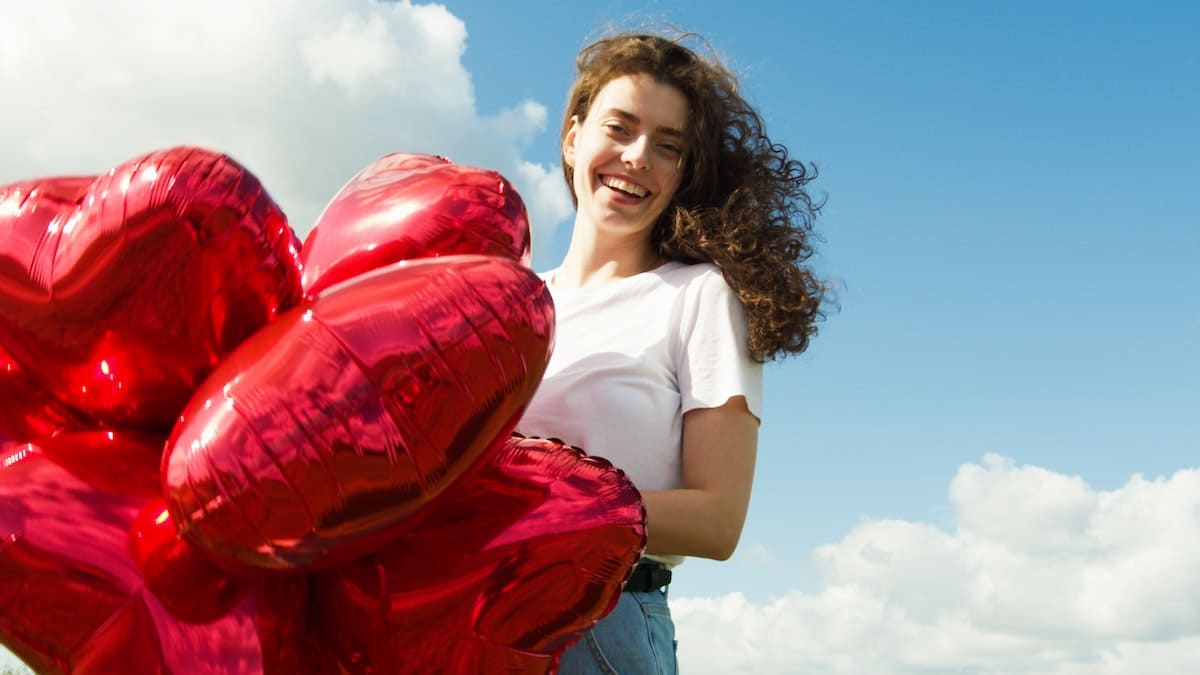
x=589 y=262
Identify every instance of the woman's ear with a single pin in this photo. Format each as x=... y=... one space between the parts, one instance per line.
x=568 y=142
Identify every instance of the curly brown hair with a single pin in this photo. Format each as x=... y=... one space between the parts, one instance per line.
x=742 y=203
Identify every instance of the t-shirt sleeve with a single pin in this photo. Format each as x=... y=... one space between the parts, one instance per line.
x=714 y=363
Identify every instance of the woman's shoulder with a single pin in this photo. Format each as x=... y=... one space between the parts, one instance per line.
x=702 y=278
x=690 y=272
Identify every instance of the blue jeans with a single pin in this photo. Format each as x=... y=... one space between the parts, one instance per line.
x=638 y=638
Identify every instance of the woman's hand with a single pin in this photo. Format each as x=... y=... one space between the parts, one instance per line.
x=704 y=518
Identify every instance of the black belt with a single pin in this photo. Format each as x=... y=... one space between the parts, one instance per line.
x=648 y=576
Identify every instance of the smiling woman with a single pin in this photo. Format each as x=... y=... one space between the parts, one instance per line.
x=684 y=273
x=625 y=160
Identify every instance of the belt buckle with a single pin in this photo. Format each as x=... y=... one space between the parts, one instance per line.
x=647 y=577
x=659 y=576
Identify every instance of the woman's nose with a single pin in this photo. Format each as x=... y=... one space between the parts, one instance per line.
x=635 y=153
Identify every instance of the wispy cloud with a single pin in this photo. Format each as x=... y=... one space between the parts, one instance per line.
x=759 y=554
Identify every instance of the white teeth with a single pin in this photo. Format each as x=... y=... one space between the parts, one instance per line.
x=625 y=186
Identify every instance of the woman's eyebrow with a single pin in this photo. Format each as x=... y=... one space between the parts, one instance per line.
x=634 y=119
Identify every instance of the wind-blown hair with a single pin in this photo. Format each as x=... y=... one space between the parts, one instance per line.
x=742 y=202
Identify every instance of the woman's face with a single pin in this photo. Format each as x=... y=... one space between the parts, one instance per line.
x=627 y=155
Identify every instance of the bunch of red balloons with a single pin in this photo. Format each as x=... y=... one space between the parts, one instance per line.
x=222 y=451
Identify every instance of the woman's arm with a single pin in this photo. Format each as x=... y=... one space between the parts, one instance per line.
x=704 y=518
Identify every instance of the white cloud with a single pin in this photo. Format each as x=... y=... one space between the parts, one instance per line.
x=303 y=92
x=555 y=202
x=1042 y=574
x=10 y=662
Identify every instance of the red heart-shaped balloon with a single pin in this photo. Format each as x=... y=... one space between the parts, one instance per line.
x=120 y=293
x=314 y=441
x=406 y=206
x=500 y=574
x=72 y=599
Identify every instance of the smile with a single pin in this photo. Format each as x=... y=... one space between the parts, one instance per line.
x=622 y=185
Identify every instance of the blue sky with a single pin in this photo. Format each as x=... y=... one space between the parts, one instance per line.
x=1012 y=226
x=1012 y=223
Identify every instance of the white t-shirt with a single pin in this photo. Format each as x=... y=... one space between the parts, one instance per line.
x=632 y=356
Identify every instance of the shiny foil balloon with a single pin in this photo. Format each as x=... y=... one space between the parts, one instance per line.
x=499 y=575
x=28 y=412
x=181 y=576
x=407 y=206
x=116 y=462
x=120 y=293
x=72 y=599
x=315 y=440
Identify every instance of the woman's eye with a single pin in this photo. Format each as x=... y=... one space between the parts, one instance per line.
x=614 y=128
x=669 y=148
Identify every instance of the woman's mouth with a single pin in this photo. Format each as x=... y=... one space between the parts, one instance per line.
x=624 y=186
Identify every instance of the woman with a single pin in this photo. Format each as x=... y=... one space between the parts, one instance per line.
x=682 y=276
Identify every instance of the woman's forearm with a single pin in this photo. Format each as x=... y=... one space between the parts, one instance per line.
x=704 y=518
x=691 y=522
